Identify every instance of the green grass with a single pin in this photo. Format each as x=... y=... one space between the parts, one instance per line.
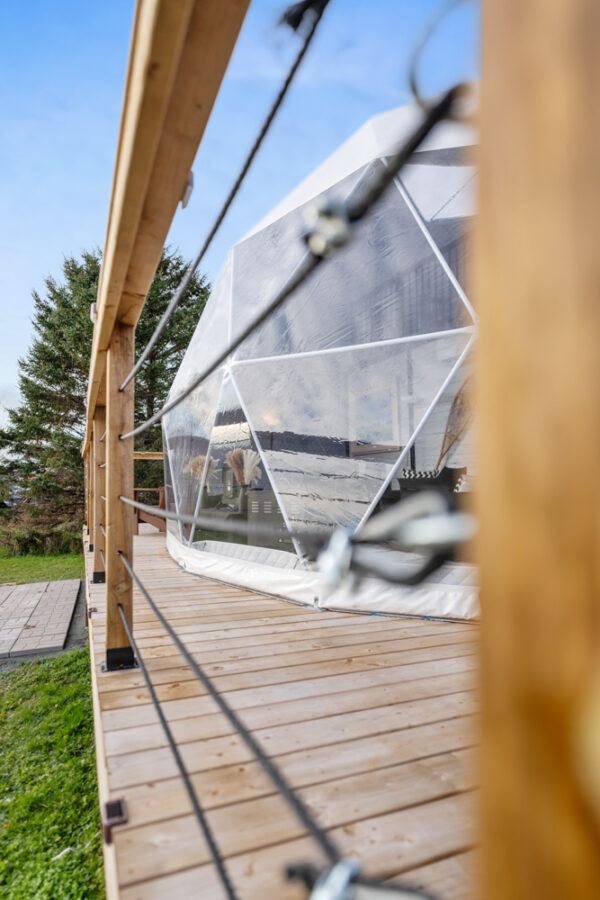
x=48 y=794
x=27 y=569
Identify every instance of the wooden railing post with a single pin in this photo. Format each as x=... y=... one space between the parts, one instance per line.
x=86 y=489
x=88 y=494
x=538 y=404
x=119 y=481
x=98 y=491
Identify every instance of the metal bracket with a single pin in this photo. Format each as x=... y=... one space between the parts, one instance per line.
x=187 y=191
x=118 y=658
x=91 y=548
x=114 y=812
x=99 y=578
x=92 y=609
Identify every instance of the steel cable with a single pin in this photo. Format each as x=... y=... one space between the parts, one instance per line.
x=230 y=526
x=287 y=792
x=298 y=806
x=199 y=812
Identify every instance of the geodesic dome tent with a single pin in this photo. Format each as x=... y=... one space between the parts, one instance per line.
x=351 y=396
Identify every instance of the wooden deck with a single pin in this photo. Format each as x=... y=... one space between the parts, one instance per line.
x=370 y=718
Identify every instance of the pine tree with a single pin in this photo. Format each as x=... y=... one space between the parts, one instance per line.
x=41 y=445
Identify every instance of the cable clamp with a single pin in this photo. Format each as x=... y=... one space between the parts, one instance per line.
x=344 y=882
x=329 y=226
x=335 y=883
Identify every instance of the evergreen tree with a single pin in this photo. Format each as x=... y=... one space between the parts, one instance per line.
x=41 y=445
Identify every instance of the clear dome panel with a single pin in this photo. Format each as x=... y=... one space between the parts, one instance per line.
x=331 y=425
x=235 y=487
x=211 y=336
x=387 y=283
x=442 y=184
x=187 y=428
x=264 y=261
x=442 y=455
x=169 y=491
x=446 y=440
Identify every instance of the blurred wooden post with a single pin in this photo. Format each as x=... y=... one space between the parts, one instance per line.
x=99 y=487
x=538 y=402
x=119 y=481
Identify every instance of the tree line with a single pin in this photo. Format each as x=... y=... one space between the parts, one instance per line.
x=41 y=469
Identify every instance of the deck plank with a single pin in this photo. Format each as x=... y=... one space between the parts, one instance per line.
x=371 y=718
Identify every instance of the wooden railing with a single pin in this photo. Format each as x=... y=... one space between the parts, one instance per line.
x=537 y=279
x=179 y=53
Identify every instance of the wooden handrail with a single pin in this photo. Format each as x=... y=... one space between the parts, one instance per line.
x=179 y=53
x=178 y=56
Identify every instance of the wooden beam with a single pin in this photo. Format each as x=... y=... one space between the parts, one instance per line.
x=119 y=481
x=538 y=290
x=148 y=454
x=179 y=53
x=99 y=490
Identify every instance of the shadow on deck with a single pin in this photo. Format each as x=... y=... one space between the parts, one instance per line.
x=370 y=718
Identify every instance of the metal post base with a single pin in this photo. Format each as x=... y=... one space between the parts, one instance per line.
x=119 y=658
x=99 y=578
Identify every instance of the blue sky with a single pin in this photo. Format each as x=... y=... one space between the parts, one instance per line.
x=62 y=71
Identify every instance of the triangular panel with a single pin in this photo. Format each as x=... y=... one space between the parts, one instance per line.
x=442 y=186
x=441 y=454
x=446 y=439
x=172 y=526
x=187 y=428
x=331 y=425
x=235 y=486
x=212 y=331
x=388 y=276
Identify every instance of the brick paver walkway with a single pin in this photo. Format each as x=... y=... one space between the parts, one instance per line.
x=36 y=617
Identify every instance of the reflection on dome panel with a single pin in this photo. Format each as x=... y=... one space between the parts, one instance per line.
x=442 y=455
x=170 y=505
x=388 y=277
x=188 y=426
x=332 y=425
x=233 y=487
x=265 y=261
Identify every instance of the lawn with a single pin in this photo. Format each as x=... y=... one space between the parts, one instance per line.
x=48 y=794
x=27 y=569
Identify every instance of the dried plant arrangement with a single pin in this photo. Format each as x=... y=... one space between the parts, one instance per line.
x=245 y=465
x=196 y=467
x=235 y=458
x=252 y=471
